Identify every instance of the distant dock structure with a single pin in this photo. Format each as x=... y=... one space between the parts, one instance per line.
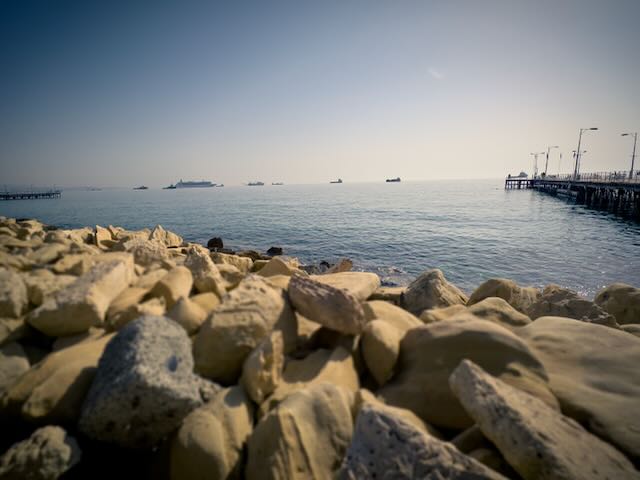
x=616 y=192
x=6 y=195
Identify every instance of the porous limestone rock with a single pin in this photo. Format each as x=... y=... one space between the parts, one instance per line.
x=537 y=441
x=445 y=313
x=246 y=315
x=45 y=455
x=124 y=301
x=13 y=363
x=42 y=283
x=388 y=294
x=74 y=264
x=391 y=314
x=149 y=278
x=175 y=284
x=305 y=437
x=47 y=253
x=429 y=354
x=206 y=277
x=279 y=266
x=518 y=297
x=13 y=294
x=211 y=439
x=102 y=238
x=208 y=301
x=431 y=290
x=146 y=252
x=144 y=380
x=153 y=306
x=359 y=284
x=243 y=264
x=84 y=303
x=385 y=445
x=169 y=239
x=329 y=306
x=497 y=310
x=380 y=347
x=188 y=314
x=622 y=301
x=593 y=372
x=262 y=369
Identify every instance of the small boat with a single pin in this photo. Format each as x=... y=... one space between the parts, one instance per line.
x=94 y=189
x=221 y=185
x=255 y=184
x=277 y=183
x=170 y=187
x=336 y=181
x=391 y=180
x=141 y=187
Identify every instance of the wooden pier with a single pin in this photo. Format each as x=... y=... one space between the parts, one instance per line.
x=612 y=191
x=30 y=195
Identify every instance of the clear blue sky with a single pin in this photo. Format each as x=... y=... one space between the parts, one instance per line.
x=128 y=92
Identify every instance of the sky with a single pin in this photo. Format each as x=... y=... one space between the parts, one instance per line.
x=123 y=93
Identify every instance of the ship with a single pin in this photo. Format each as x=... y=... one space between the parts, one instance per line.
x=170 y=187
x=391 y=180
x=255 y=184
x=191 y=184
x=141 y=187
x=277 y=183
x=336 y=181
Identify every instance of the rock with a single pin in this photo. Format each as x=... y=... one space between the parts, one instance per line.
x=246 y=315
x=92 y=334
x=231 y=274
x=385 y=445
x=13 y=363
x=153 y=307
x=556 y=301
x=207 y=301
x=632 y=328
x=622 y=301
x=47 y=253
x=431 y=290
x=146 y=252
x=144 y=380
x=73 y=264
x=206 y=277
x=537 y=441
x=380 y=346
x=120 y=305
x=241 y=263
x=388 y=294
x=12 y=329
x=332 y=307
x=593 y=373
x=262 y=369
x=169 y=239
x=102 y=238
x=278 y=266
x=497 y=310
x=13 y=294
x=273 y=251
x=343 y=265
x=305 y=437
x=42 y=284
x=442 y=314
x=429 y=354
x=211 y=438
x=84 y=303
x=175 y=284
x=258 y=265
x=45 y=455
x=520 y=298
x=252 y=254
x=359 y=284
x=389 y=313
x=187 y=314
x=53 y=390
x=215 y=243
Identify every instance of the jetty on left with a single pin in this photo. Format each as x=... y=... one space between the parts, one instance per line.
x=30 y=195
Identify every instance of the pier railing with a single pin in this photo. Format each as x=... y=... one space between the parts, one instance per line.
x=599 y=177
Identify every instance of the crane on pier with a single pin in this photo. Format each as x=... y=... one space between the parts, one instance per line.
x=535 y=163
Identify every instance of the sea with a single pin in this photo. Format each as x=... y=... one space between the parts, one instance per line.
x=471 y=230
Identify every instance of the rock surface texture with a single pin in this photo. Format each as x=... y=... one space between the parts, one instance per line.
x=431 y=290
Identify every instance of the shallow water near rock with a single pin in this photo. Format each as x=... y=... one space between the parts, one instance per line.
x=472 y=230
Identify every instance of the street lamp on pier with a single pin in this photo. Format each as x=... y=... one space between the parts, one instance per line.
x=546 y=163
x=633 y=155
x=535 y=164
x=576 y=170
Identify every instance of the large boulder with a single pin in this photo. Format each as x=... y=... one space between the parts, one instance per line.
x=188 y=314
x=13 y=363
x=622 y=301
x=430 y=353
x=518 y=297
x=169 y=239
x=262 y=369
x=211 y=439
x=537 y=441
x=246 y=315
x=45 y=455
x=391 y=314
x=359 y=284
x=175 y=284
x=243 y=264
x=305 y=437
x=498 y=310
x=332 y=307
x=145 y=379
x=42 y=284
x=13 y=294
x=386 y=445
x=593 y=371
x=278 y=266
x=206 y=276
x=431 y=290
x=12 y=329
x=84 y=303
x=380 y=347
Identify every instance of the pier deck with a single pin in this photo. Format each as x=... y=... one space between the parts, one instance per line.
x=30 y=195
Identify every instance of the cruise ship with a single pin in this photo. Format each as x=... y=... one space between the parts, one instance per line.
x=190 y=184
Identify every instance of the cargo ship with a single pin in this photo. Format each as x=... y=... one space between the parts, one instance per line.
x=391 y=180
x=191 y=184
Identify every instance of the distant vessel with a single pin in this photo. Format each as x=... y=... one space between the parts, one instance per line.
x=336 y=181
x=390 y=180
x=255 y=184
x=141 y=187
x=520 y=175
x=170 y=187
x=191 y=184
x=221 y=185
x=277 y=183
x=94 y=189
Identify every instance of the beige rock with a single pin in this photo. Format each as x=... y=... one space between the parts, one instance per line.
x=206 y=276
x=391 y=314
x=622 y=301
x=74 y=264
x=430 y=353
x=188 y=314
x=243 y=264
x=537 y=441
x=388 y=294
x=380 y=346
x=593 y=373
x=175 y=284
x=279 y=266
x=359 y=284
x=262 y=369
x=246 y=316
x=441 y=314
x=231 y=274
x=210 y=442
x=14 y=261
x=123 y=302
x=46 y=455
x=84 y=303
x=13 y=363
x=153 y=306
x=42 y=284
x=102 y=237
x=12 y=329
x=170 y=239
x=632 y=328
x=518 y=297
x=305 y=437
x=13 y=294
x=71 y=340
x=47 y=253
x=207 y=301
x=280 y=282
x=258 y=265
x=148 y=252
x=332 y=307
x=343 y=265
x=150 y=278
x=497 y=310
x=431 y=290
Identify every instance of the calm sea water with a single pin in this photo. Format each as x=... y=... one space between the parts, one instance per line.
x=471 y=230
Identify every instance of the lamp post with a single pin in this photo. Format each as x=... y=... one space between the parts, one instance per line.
x=633 y=155
x=576 y=170
x=546 y=163
x=535 y=164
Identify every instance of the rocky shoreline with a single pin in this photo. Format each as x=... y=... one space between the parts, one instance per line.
x=135 y=353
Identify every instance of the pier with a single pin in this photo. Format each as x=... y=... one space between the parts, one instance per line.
x=30 y=195
x=616 y=192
